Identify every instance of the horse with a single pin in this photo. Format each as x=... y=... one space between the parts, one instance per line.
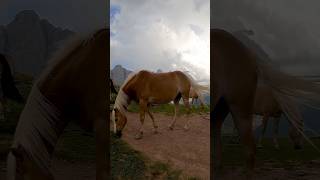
x=148 y=88
x=72 y=87
x=236 y=70
x=8 y=90
x=266 y=105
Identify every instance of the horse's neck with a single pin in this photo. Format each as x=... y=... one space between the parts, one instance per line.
x=39 y=128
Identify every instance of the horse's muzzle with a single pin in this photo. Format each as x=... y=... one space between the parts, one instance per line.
x=118 y=134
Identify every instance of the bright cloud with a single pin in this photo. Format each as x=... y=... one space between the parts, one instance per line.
x=161 y=34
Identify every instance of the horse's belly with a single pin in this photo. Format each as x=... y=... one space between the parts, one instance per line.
x=160 y=100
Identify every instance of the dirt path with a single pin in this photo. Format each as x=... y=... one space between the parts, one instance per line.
x=188 y=151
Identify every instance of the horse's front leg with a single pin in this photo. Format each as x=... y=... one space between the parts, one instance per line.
x=176 y=111
x=155 y=130
x=143 y=107
x=264 y=127
x=186 y=103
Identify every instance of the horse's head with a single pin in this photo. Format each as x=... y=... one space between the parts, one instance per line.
x=119 y=121
x=21 y=166
x=296 y=138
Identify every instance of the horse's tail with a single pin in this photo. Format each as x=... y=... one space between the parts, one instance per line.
x=288 y=90
x=199 y=89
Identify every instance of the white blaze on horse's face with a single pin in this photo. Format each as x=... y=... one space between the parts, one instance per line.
x=120 y=121
x=113 y=117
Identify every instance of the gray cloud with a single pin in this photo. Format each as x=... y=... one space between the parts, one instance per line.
x=288 y=30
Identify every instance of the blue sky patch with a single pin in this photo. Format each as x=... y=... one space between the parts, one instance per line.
x=114 y=10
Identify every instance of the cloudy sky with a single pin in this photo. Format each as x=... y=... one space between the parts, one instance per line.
x=288 y=30
x=161 y=34
x=77 y=15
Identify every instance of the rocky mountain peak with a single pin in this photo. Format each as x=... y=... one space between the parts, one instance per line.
x=27 y=15
x=119 y=74
x=31 y=41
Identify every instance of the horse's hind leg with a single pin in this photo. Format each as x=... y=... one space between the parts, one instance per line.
x=220 y=112
x=143 y=107
x=276 y=131
x=153 y=122
x=243 y=120
x=264 y=127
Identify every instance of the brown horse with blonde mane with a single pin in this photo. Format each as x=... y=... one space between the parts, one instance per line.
x=149 y=88
x=236 y=69
x=72 y=87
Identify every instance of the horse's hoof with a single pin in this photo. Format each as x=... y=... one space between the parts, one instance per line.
x=171 y=128
x=138 y=136
x=186 y=128
x=155 y=131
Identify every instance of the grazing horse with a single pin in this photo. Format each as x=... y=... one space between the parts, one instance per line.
x=236 y=69
x=72 y=87
x=8 y=89
x=266 y=105
x=149 y=88
x=193 y=95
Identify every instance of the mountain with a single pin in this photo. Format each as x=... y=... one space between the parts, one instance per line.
x=119 y=75
x=30 y=41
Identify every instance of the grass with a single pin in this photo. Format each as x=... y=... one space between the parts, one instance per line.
x=233 y=154
x=168 y=109
x=76 y=144
x=127 y=163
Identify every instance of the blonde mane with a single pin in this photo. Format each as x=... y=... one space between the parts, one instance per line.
x=121 y=102
x=65 y=49
x=40 y=120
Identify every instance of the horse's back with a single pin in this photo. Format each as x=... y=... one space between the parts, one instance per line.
x=234 y=69
x=161 y=87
